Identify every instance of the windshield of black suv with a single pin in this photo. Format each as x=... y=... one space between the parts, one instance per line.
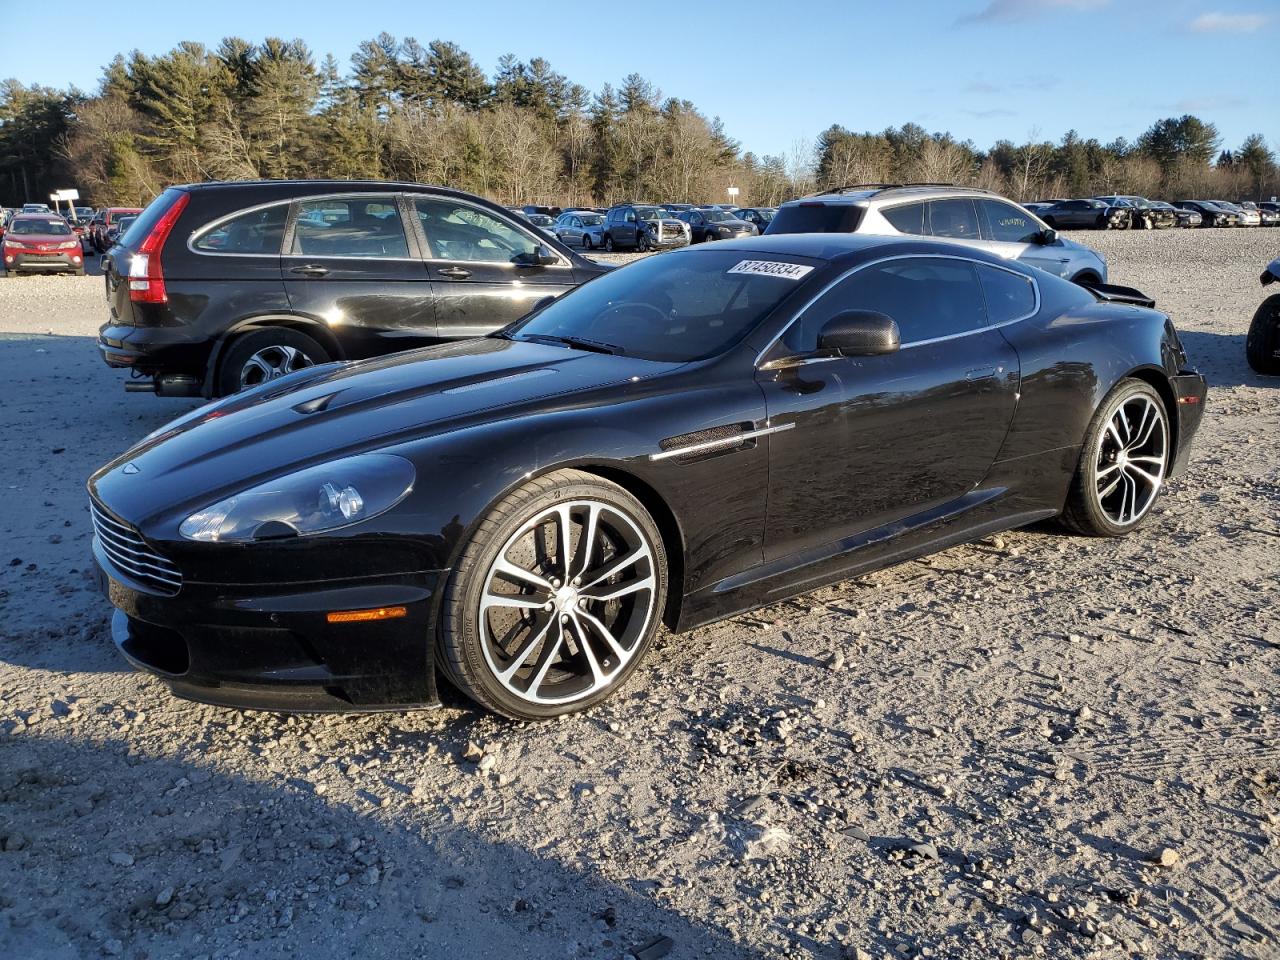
x=717 y=216
x=672 y=308
x=48 y=228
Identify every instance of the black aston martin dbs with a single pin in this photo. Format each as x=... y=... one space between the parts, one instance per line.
x=685 y=438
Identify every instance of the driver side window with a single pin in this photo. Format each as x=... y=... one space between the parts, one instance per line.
x=929 y=297
x=458 y=231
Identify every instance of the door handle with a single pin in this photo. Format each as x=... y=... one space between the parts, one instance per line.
x=983 y=373
x=310 y=270
x=454 y=273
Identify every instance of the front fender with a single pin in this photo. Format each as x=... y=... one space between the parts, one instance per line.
x=715 y=503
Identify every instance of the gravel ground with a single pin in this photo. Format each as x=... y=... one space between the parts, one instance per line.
x=1036 y=745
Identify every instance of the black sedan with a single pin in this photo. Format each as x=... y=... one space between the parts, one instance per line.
x=686 y=438
x=1182 y=218
x=1211 y=215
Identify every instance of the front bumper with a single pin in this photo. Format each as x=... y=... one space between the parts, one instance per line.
x=1190 y=390
x=271 y=647
x=69 y=261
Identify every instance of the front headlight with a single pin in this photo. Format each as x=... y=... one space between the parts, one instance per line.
x=316 y=500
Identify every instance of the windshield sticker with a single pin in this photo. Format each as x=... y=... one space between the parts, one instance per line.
x=772 y=268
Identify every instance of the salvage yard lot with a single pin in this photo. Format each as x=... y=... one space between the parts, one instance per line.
x=1034 y=745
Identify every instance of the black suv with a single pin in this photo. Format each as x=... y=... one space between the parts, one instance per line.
x=222 y=286
x=642 y=226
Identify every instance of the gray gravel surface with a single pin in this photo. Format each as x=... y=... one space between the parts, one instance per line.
x=1036 y=745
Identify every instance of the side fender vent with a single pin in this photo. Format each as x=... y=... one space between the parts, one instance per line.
x=688 y=447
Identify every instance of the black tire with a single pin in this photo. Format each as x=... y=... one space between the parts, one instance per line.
x=608 y=243
x=244 y=347
x=1084 y=512
x=1262 y=346
x=460 y=642
x=586 y=242
x=642 y=242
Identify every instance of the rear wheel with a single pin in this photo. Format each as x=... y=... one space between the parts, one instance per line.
x=1262 y=346
x=555 y=599
x=1122 y=463
x=264 y=355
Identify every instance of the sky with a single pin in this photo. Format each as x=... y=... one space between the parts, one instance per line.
x=778 y=74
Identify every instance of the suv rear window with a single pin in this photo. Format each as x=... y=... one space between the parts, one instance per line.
x=816 y=218
x=153 y=211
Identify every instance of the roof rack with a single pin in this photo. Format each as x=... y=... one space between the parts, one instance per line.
x=881 y=187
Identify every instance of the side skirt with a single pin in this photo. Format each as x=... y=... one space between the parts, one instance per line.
x=983 y=511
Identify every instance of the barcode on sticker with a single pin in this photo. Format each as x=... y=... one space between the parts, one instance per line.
x=772 y=268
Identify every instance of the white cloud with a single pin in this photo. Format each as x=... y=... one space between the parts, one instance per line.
x=1228 y=23
x=1013 y=11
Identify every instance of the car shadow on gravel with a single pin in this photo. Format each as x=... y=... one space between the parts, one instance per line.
x=106 y=850
x=1221 y=358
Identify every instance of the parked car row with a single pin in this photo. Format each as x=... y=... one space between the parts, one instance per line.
x=96 y=230
x=1120 y=212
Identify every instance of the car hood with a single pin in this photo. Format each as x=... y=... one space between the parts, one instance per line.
x=337 y=410
x=40 y=237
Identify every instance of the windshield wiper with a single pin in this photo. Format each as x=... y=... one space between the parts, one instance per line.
x=594 y=346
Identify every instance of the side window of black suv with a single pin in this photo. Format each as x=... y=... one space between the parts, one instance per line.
x=350 y=227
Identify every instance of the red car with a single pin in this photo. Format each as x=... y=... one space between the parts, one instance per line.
x=41 y=243
x=103 y=222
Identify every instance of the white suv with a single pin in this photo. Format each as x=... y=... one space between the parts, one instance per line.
x=975 y=218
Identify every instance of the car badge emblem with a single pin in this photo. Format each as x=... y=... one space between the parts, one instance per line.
x=129 y=469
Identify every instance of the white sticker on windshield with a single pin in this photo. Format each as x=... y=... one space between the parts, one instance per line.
x=772 y=268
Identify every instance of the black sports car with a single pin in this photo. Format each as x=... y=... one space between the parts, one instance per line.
x=677 y=441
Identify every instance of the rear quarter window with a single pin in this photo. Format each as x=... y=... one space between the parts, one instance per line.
x=908 y=218
x=816 y=218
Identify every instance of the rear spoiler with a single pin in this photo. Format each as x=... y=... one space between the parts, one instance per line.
x=1114 y=293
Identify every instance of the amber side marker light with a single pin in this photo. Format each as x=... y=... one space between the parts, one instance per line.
x=363 y=616
x=1192 y=399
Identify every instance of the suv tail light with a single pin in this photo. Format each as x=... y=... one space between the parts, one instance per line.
x=146 y=279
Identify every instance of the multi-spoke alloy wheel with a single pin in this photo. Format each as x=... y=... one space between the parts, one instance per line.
x=261 y=356
x=272 y=363
x=1130 y=464
x=1123 y=463
x=556 y=599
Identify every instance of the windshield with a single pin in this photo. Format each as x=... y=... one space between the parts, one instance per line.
x=717 y=216
x=672 y=308
x=541 y=220
x=650 y=213
x=55 y=228
x=591 y=219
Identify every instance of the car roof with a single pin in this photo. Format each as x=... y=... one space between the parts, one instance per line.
x=850 y=247
x=861 y=193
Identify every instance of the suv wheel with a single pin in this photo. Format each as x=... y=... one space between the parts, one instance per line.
x=608 y=243
x=265 y=355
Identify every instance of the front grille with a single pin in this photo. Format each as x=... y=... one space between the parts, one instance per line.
x=126 y=549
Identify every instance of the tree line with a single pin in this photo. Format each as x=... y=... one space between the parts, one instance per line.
x=525 y=134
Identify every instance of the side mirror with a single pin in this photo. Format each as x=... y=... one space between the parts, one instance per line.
x=860 y=333
x=1047 y=236
x=540 y=256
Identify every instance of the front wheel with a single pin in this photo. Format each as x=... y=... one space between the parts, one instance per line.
x=265 y=355
x=608 y=244
x=1262 y=346
x=1123 y=462
x=555 y=599
x=586 y=242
